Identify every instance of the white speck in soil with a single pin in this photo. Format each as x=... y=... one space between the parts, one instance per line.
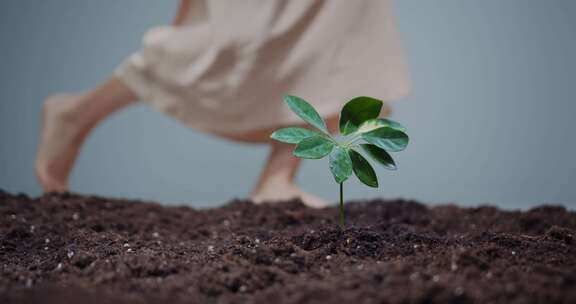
x=210 y=249
x=277 y=260
x=226 y=223
x=360 y=267
x=59 y=267
x=348 y=241
x=489 y=275
x=311 y=231
x=75 y=216
x=28 y=283
x=70 y=254
x=328 y=257
x=181 y=244
x=453 y=267
x=129 y=250
x=126 y=245
x=32 y=228
x=155 y=234
x=513 y=252
x=415 y=246
x=459 y=291
x=243 y=288
x=436 y=278
x=257 y=241
x=46 y=248
x=13 y=216
x=47 y=241
x=414 y=276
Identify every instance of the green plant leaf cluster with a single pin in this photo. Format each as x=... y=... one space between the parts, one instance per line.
x=362 y=129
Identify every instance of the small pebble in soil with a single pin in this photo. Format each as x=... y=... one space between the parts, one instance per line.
x=328 y=257
x=58 y=267
x=46 y=248
x=129 y=250
x=210 y=249
x=70 y=254
x=126 y=245
x=277 y=260
x=13 y=216
x=415 y=246
x=32 y=228
x=226 y=223
x=459 y=291
x=436 y=278
x=513 y=252
x=243 y=288
x=155 y=234
x=453 y=267
x=47 y=241
x=489 y=275
x=360 y=267
x=414 y=276
x=75 y=216
x=257 y=241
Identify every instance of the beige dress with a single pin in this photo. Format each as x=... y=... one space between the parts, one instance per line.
x=225 y=70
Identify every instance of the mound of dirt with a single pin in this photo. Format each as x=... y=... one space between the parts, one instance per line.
x=72 y=248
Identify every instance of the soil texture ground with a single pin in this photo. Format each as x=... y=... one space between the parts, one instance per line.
x=62 y=248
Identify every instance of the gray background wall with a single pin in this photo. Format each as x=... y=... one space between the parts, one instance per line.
x=490 y=117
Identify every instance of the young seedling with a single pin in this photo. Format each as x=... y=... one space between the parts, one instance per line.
x=359 y=121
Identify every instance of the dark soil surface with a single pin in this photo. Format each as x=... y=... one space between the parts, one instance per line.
x=72 y=248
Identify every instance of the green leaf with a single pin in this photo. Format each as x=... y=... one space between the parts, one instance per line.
x=357 y=111
x=314 y=147
x=340 y=164
x=376 y=123
x=380 y=155
x=363 y=169
x=387 y=138
x=292 y=135
x=306 y=112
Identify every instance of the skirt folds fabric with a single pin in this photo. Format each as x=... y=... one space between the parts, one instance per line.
x=226 y=69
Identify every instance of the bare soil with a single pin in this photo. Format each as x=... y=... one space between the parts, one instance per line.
x=69 y=248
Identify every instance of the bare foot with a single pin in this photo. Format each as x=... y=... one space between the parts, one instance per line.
x=283 y=192
x=60 y=139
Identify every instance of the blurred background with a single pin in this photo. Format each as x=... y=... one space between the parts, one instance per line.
x=491 y=114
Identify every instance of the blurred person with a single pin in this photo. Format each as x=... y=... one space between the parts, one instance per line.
x=222 y=68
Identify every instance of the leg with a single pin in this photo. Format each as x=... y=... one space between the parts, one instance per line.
x=66 y=121
x=276 y=182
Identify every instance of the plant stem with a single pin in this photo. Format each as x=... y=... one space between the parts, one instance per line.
x=353 y=140
x=342 y=205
